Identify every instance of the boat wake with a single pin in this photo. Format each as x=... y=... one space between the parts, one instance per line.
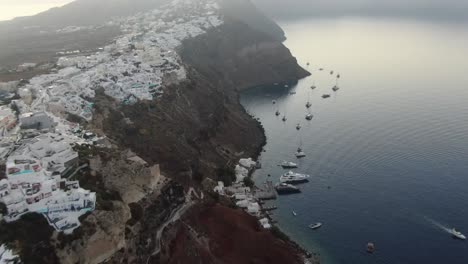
x=438 y=225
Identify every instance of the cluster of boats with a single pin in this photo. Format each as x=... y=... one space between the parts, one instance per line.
x=308 y=105
x=288 y=180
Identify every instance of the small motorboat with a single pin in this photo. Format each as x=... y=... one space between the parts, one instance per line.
x=315 y=226
x=309 y=117
x=286 y=86
x=276 y=84
x=288 y=165
x=284 y=119
x=321 y=69
x=298 y=127
x=325 y=96
x=294 y=213
x=308 y=64
x=274 y=101
x=457 y=234
x=277 y=113
x=331 y=73
x=370 y=247
x=313 y=87
x=292 y=92
x=335 y=88
x=308 y=105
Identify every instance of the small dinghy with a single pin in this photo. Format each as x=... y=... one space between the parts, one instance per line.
x=315 y=226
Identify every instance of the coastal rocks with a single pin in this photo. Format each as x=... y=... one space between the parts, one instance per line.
x=244 y=57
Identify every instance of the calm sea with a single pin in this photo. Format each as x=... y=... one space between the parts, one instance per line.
x=388 y=153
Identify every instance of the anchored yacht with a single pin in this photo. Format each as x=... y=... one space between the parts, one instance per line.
x=292 y=178
x=288 y=165
x=284 y=188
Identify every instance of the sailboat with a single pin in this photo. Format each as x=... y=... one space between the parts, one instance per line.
x=300 y=153
x=308 y=104
x=336 y=88
x=313 y=86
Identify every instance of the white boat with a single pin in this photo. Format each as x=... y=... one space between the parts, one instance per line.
x=457 y=234
x=292 y=177
x=315 y=226
x=309 y=117
x=288 y=165
x=294 y=213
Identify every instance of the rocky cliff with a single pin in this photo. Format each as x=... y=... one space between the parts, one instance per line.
x=198 y=128
x=193 y=131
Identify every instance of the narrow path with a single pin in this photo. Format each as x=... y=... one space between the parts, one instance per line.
x=175 y=216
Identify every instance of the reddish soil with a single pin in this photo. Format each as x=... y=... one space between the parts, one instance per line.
x=218 y=234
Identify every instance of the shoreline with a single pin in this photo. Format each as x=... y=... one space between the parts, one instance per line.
x=309 y=257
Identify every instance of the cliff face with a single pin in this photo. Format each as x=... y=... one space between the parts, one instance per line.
x=196 y=128
x=199 y=125
x=242 y=57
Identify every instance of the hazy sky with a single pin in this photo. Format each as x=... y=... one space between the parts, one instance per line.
x=291 y=8
x=14 y=8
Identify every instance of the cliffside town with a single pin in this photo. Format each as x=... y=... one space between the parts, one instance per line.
x=119 y=147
